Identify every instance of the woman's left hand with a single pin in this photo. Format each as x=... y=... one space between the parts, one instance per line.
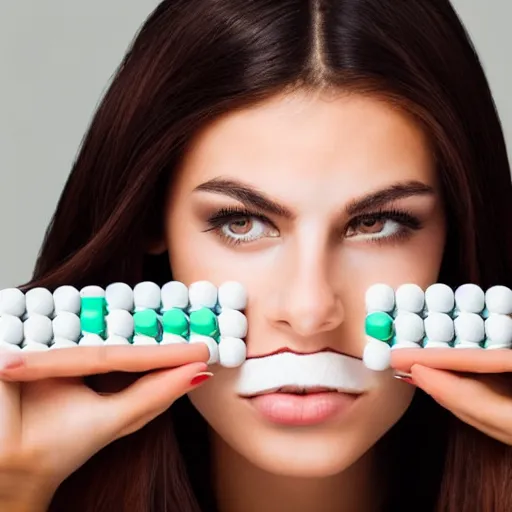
x=472 y=383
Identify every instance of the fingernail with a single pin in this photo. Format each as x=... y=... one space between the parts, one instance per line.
x=403 y=376
x=9 y=361
x=200 y=378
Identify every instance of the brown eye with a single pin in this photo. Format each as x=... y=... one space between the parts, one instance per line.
x=241 y=226
x=368 y=226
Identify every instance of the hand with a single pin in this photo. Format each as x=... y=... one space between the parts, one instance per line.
x=472 y=383
x=51 y=423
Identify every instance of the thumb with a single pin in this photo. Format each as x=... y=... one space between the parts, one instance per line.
x=148 y=397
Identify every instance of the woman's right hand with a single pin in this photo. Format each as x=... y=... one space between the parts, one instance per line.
x=51 y=422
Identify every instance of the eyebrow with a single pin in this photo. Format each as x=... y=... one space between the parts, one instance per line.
x=250 y=196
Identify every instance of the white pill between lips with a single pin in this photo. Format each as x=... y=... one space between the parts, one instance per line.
x=498 y=329
x=410 y=297
x=119 y=296
x=62 y=343
x=32 y=346
x=232 y=323
x=67 y=298
x=12 y=302
x=232 y=352
x=66 y=325
x=140 y=339
x=147 y=295
x=38 y=329
x=202 y=294
x=120 y=323
x=498 y=299
x=380 y=297
x=439 y=298
x=11 y=329
x=9 y=347
x=232 y=295
x=469 y=327
x=39 y=301
x=439 y=327
x=377 y=355
x=174 y=295
x=470 y=298
x=114 y=339
x=172 y=339
x=212 y=345
x=92 y=291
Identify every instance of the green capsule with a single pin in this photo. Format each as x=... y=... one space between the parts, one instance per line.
x=175 y=322
x=379 y=325
x=92 y=315
x=204 y=322
x=146 y=323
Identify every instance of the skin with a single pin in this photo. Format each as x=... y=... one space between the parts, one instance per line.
x=306 y=276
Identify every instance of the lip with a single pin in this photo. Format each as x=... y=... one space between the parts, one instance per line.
x=303 y=410
x=286 y=349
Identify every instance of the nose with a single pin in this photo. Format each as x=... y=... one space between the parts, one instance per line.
x=306 y=300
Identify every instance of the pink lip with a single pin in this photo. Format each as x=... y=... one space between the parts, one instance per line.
x=302 y=410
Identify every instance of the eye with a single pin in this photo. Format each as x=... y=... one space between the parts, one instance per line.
x=383 y=226
x=236 y=226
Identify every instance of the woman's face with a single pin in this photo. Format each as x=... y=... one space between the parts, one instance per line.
x=306 y=250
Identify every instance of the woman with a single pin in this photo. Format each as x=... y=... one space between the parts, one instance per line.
x=308 y=150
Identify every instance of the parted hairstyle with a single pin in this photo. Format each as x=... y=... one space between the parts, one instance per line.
x=194 y=60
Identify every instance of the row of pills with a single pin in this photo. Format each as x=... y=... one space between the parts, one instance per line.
x=438 y=317
x=118 y=314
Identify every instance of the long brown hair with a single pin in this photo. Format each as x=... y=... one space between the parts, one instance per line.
x=194 y=60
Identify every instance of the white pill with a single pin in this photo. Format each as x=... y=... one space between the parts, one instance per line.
x=377 y=355
x=232 y=324
x=39 y=301
x=469 y=327
x=140 y=339
x=232 y=352
x=202 y=294
x=470 y=298
x=66 y=325
x=172 y=339
x=439 y=298
x=9 y=347
x=12 y=302
x=409 y=327
x=120 y=323
x=439 y=328
x=32 y=346
x=11 y=329
x=62 y=343
x=67 y=298
x=38 y=329
x=146 y=295
x=174 y=295
x=92 y=291
x=232 y=295
x=380 y=297
x=119 y=296
x=212 y=345
x=91 y=340
x=410 y=297
x=498 y=299
x=498 y=329
x=114 y=339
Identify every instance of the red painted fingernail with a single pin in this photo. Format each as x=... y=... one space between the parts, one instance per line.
x=9 y=361
x=200 y=378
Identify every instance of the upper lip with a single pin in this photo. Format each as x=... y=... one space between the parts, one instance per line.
x=288 y=349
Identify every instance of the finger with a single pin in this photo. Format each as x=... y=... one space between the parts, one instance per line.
x=83 y=361
x=10 y=414
x=472 y=400
x=148 y=397
x=459 y=360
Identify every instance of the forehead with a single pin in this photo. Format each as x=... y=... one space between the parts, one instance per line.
x=293 y=145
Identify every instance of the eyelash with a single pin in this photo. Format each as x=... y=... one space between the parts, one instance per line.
x=407 y=221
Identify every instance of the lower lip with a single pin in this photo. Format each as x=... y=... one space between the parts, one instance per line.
x=302 y=410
